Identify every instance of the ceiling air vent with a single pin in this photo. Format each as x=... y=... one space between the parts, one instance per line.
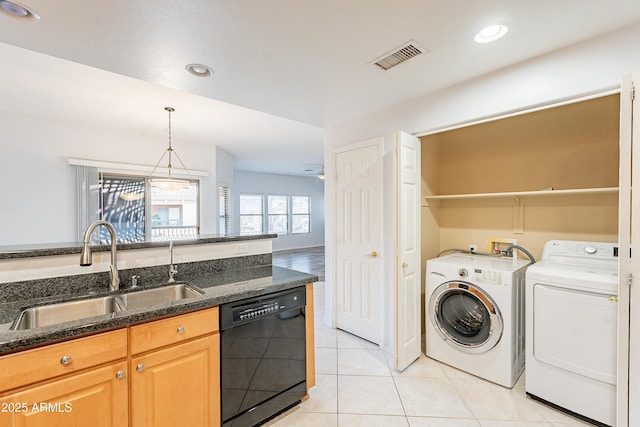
x=399 y=55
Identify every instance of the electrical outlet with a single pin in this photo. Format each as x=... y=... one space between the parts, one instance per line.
x=473 y=248
x=240 y=248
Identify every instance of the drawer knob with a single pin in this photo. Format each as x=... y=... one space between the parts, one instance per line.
x=140 y=367
x=180 y=330
x=66 y=360
x=120 y=374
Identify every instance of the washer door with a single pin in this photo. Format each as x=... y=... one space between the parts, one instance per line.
x=466 y=316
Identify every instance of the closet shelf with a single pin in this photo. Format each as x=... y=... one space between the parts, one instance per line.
x=600 y=190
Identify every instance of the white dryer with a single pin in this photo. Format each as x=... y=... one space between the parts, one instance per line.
x=571 y=328
x=475 y=315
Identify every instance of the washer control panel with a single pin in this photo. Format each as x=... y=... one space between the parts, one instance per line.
x=488 y=277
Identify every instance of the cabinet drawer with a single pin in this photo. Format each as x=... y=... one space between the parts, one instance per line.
x=97 y=397
x=42 y=363
x=173 y=330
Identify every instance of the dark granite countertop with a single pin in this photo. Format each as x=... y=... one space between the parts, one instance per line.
x=50 y=249
x=218 y=287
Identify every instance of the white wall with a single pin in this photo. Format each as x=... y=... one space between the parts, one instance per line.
x=264 y=183
x=37 y=182
x=585 y=68
x=18 y=269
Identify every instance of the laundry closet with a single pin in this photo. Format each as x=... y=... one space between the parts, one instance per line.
x=533 y=177
x=550 y=175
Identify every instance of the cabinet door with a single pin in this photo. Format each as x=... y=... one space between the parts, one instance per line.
x=97 y=398
x=177 y=386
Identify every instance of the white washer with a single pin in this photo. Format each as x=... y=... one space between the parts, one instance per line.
x=571 y=328
x=475 y=315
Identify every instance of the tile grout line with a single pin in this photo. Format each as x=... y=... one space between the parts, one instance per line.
x=395 y=384
x=453 y=383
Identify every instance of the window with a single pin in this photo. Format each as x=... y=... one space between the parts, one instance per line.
x=300 y=214
x=278 y=214
x=223 y=209
x=166 y=214
x=174 y=214
x=122 y=203
x=137 y=209
x=251 y=214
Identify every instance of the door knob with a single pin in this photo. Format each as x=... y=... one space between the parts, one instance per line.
x=405 y=265
x=373 y=254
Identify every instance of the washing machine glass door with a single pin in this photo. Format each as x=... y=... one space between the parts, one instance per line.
x=466 y=316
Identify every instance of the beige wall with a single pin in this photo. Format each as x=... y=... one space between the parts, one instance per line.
x=568 y=147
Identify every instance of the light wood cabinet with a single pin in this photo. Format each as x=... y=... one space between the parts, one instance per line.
x=178 y=385
x=172 y=377
x=310 y=329
x=54 y=360
x=72 y=388
x=175 y=371
x=173 y=330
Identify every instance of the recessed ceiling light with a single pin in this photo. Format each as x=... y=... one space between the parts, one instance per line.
x=18 y=11
x=491 y=33
x=199 y=70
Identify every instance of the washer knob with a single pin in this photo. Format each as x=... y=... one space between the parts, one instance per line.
x=463 y=273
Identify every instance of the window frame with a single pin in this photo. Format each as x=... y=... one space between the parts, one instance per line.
x=308 y=214
x=261 y=215
x=286 y=215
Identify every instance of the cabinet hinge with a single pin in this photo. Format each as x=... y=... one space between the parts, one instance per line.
x=632 y=93
x=630 y=279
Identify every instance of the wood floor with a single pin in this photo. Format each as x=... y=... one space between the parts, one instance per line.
x=307 y=260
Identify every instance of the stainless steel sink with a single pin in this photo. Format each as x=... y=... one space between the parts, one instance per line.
x=164 y=294
x=53 y=314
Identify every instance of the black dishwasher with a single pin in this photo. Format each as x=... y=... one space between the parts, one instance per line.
x=263 y=366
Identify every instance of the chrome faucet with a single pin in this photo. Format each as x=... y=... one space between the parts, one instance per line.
x=172 y=268
x=86 y=258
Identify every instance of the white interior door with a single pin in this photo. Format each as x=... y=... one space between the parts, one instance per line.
x=407 y=175
x=358 y=239
x=628 y=392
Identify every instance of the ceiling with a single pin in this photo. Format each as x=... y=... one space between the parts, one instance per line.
x=283 y=69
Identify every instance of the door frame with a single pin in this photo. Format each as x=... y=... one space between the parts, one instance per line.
x=628 y=387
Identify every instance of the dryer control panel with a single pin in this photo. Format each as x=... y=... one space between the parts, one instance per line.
x=580 y=253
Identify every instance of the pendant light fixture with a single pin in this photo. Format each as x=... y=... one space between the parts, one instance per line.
x=169 y=183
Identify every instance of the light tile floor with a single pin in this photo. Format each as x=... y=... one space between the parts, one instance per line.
x=357 y=387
